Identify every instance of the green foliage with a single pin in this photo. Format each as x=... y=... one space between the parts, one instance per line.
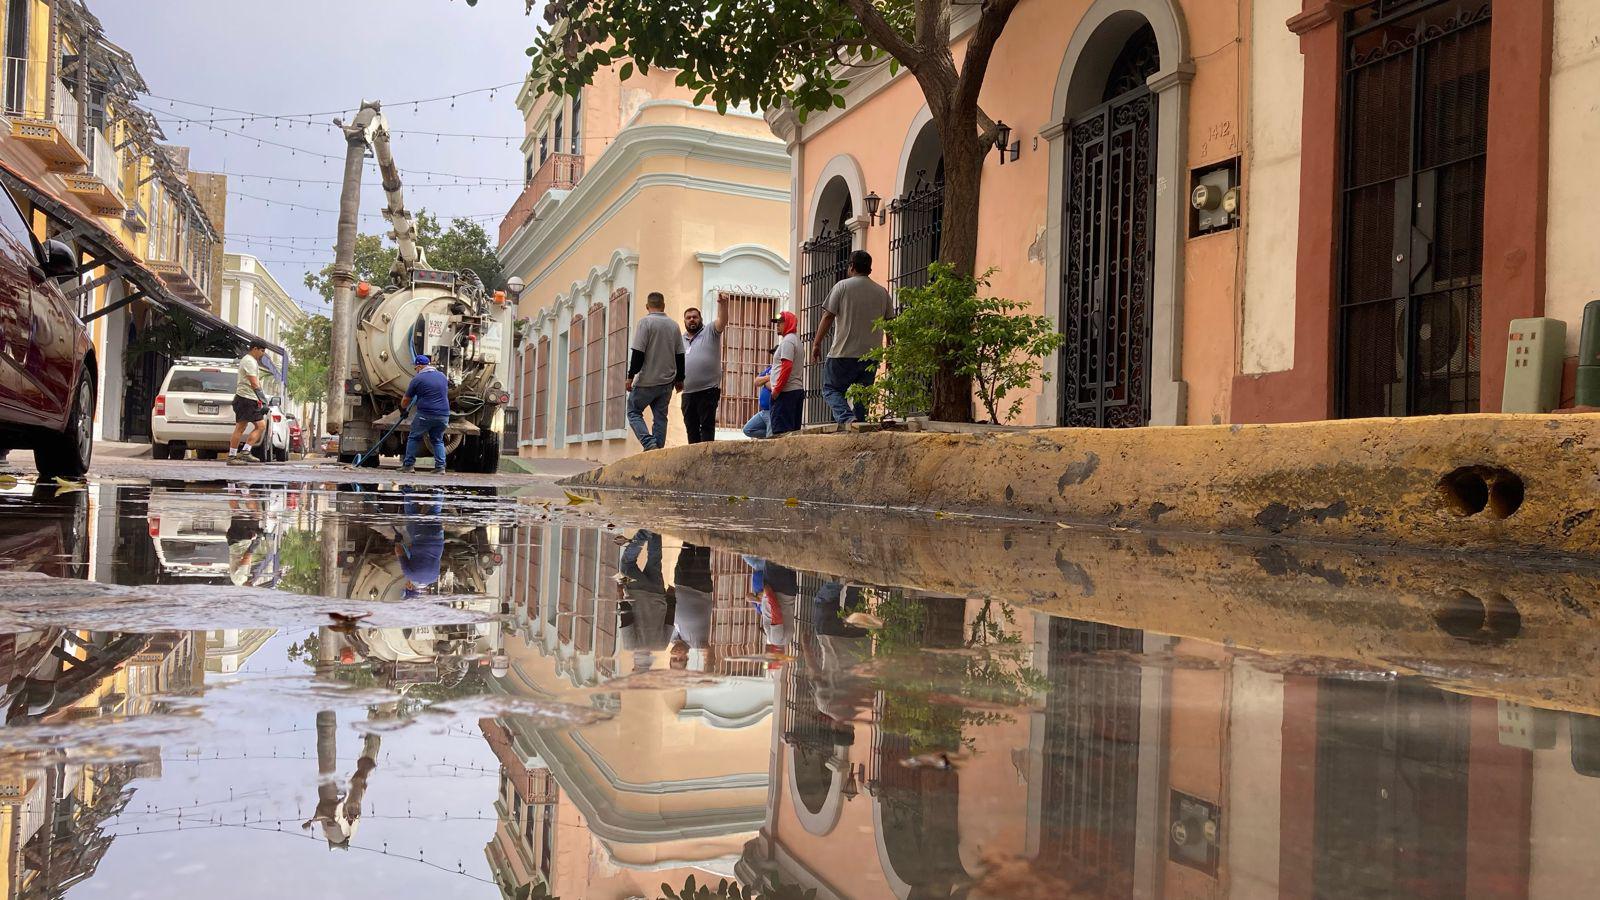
x=464 y=245
x=934 y=699
x=754 y=53
x=729 y=890
x=310 y=343
x=173 y=333
x=301 y=553
x=948 y=322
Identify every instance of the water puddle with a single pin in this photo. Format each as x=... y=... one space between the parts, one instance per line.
x=331 y=691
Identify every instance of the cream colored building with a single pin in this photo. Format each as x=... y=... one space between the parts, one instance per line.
x=632 y=189
x=254 y=300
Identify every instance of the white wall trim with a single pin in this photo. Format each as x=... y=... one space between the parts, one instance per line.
x=922 y=119
x=842 y=166
x=536 y=238
x=736 y=251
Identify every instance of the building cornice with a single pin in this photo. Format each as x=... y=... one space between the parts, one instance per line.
x=537 y=239
x=1320 y=14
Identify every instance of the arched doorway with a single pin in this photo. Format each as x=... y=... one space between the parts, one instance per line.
x=1107 y=253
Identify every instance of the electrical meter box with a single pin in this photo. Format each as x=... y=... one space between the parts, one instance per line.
x=1526 y=727
x=1534 y=357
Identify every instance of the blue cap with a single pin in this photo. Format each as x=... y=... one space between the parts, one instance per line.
x=421 y=361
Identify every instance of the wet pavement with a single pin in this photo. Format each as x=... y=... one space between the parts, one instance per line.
x=311 y=685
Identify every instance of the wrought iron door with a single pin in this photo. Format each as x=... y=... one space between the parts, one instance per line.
x=1109 y=256
x=918 y=228
x=1411 y=266
x=1091 y=756
x=827 y=260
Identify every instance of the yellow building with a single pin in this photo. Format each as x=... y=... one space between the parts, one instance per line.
x=632 y=188
x=91 y=168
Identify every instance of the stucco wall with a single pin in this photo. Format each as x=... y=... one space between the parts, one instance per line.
x=1017 y=198
x=1272 y=200
x=1573 y=267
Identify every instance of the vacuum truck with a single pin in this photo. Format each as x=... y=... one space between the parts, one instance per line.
x=379 y=329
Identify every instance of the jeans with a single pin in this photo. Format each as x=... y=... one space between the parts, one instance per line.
x=838 y=374
x=759 y=426
x=700 y=414
x=786 y=412
x=658 y=399
x=433 y=428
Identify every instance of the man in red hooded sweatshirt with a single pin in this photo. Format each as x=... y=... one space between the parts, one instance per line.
x=788 y=383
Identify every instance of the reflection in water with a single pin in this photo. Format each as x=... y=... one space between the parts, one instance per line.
x=779 y=727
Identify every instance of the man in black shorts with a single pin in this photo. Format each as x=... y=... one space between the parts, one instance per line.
x=248 y=406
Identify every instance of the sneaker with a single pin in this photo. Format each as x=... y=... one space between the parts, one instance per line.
x=407 y=470
x=235 y=459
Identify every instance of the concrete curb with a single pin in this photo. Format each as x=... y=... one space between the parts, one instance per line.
x=1486 y=483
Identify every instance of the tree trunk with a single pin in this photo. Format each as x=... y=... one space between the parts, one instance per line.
x=958 y=243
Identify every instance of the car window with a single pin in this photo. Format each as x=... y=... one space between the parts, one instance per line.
x=13 y=223
x=203 y=381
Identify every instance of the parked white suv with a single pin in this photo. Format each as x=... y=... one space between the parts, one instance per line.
x=194 y=411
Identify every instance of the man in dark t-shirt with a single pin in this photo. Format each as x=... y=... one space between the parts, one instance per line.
x=430 y=390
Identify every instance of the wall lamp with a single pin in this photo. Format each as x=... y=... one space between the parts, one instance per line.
x=874 y=202
x=1004 y=143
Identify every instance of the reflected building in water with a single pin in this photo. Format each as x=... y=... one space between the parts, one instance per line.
x=675 y=782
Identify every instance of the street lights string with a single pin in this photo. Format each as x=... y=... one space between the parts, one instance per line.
x=343 y=111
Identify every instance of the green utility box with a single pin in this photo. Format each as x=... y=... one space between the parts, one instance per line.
x=1534 y=356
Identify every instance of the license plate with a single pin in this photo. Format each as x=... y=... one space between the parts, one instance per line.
x=208 y=407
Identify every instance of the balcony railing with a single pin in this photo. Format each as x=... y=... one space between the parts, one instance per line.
x=560 y=172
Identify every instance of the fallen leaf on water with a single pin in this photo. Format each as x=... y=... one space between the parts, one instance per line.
x=733 y=499
x=941 y=515
x=792 y=501
x=929 y=761
x=8 y=481
x=67 y=486
x=346 y=623
x=863 y=620
x=1062 y=525
x=622 y=579
x=576 y=500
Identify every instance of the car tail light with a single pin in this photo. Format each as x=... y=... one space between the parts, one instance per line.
x=277 y=418
x=161 y=404
x=155 y=526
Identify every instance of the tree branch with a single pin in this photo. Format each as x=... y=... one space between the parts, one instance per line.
x=933 y=25
x=884 y=35
x=980 y=51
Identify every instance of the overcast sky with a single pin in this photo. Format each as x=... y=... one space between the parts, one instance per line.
x=293 y=57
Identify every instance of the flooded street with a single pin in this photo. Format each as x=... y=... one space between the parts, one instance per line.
x=370 y=690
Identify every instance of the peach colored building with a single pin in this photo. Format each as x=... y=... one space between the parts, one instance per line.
x=633 y=189
x=1121 y=108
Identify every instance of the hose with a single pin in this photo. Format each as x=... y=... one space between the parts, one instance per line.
x=362 y=457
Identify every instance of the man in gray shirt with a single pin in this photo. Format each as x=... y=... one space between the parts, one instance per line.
x=702 y=373
x=655 y=369
x=851 y=312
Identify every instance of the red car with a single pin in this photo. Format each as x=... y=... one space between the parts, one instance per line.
x=296 y=436
x=47 y=365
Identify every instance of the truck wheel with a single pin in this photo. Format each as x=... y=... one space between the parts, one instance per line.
x=159 y=450
x=68 y=453
x=465 y=457
x=177 y=450
x=489 y=453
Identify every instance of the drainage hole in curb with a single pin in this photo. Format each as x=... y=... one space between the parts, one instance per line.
x=1470 y=490
x=1491 y=619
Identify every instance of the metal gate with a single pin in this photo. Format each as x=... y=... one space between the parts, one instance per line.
x=746 y=350
x=918 y=229
x=1105 y=315
x=1411 y=267
x=827 y=261
x=1091 y=756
